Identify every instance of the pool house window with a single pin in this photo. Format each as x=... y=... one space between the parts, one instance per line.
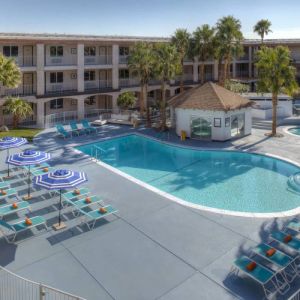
x=56 y=77
x=10 y=51
x=57 y=103
x=89 y=51
x=56 y=51
x=89 y=75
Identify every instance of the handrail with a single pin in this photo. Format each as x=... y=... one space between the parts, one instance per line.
x=15 y=287
x=295 y=296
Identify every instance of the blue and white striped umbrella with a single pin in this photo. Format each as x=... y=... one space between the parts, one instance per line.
x=58 y=180
x=11 y=142
x=28 y=158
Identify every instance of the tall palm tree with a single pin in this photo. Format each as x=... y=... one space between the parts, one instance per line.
x=228 y=38
x=262 y=28
x=168 y=62
x=275 y=75
x=204 y=45
x=181 y=40
x=18 y=108
x=141 y=63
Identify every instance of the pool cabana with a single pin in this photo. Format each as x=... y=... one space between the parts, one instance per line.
x=211 y=112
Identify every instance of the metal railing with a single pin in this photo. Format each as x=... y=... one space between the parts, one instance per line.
x=123 y=59
x=97 y=84
x=128 y=82
x=295 y=296
x=25 y=61
x=98 y=114
x=60 y=88
x=60 y=118
x=15 y=287
x=98 y=60
x=22 y=90
x=70 y=60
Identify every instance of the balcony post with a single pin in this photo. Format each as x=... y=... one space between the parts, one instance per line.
x=80 y=67
x=195 y=70
x=216 y=70
x=40 y=63
x=40 y=114
x=115 y=66
x=250 y=62
x=80 y=108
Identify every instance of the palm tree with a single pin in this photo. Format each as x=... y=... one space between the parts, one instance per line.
x=17 y=107
x=126 y=100
x=141 y=63
x=228 y=39
x=168 y=62
x=204 y=45
x=181 y=40
x=275 y=75
x=262 y=28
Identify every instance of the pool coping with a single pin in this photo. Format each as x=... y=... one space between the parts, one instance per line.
x=287 y=128
x=282 y=214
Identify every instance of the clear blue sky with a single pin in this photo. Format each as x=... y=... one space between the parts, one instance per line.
x=145 y=18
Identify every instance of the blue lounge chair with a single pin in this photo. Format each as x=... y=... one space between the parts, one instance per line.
x=61 y=131
x=76 y=130
x=4 y=185
x=91 y=217
x=87 y=126
x=70 y=196
x=8 y=193
x=265 y=277
x=8 y=209
x=279 y=237
x=81 y=203
x=10 y=230
x=294 y=225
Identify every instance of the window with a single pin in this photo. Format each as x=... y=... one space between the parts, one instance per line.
x=123 y=51
x=57 y=103
x=10 y=51
x=90 y=100
x=89 y=75
x=124 y=73
x=89 y=51
x=56 y=77
x=56 y=51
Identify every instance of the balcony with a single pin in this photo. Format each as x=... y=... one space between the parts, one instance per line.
x=22 y=90
x=61 y=60
x=97 y=85
x=187 y=78
x=98 y=60
x=154 y=82
x=208 y=76
x=128 y=82
x=61 y=88
x=123 y=59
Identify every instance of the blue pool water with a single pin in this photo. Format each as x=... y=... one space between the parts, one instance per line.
x=228 y=180
x=295 y=130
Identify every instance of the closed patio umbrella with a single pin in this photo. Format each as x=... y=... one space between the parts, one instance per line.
x=59 y=180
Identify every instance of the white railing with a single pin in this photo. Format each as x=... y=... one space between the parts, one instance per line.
x=98 y=114
x=15 y=287
x=98 y=60
x=61 y=87
x=186 y=77
x=60 y=118
x=97 y=84
x=22 y=90
x=70 y=60
x=295 y=296
x=123 y=59
x=25 y=61
x=128 y=82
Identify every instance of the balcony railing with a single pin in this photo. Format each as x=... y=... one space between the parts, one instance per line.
x=242 y=74
x=209 y=76
x=128 y=82
x=123 y=59
x=22 y=90
x=186 y=77
x=61 y=60
x=97 y=84
x=154 y=82
x=60 y=88
x=25 y=61
x=98 y=60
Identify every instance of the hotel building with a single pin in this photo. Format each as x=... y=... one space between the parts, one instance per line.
x=67 y=77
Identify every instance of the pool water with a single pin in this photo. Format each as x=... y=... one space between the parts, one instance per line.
x=295 y=130
x=226 y=180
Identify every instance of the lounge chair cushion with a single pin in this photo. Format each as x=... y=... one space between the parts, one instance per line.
x=251 y=266
x=38 y=220
x=270 y=252
x=287 y=238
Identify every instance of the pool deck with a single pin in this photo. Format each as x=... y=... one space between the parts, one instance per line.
x=152 y=248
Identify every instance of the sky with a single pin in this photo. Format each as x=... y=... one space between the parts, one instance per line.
x=145 y=18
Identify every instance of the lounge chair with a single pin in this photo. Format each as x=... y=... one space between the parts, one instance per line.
x=61 y=131
x=284 y=262
x=4 y=185
x=37 y=172
x=90 y=217
x=8 y=193
x=87 y=126
x=8 y=209
x=71 y=195
x=280 y=237
x=294 y=225
x=75 y=129
x=265 y=277
x=81 y=203
x=12 y=229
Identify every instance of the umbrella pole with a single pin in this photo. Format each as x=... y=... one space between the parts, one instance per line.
x=28 y=197
x=59 y=217
x=7 y=163
x=60 y=224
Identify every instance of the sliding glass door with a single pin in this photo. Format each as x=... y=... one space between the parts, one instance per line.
x=201 y=128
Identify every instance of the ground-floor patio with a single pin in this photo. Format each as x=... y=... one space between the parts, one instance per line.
x=152 y=248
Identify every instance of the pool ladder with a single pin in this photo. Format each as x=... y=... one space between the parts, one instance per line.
x=96 y=153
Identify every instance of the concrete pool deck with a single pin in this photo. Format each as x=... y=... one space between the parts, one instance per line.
x=152 y=248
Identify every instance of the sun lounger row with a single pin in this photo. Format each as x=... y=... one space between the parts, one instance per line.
x=84 y=204
x=75 y=130
x=276 y=264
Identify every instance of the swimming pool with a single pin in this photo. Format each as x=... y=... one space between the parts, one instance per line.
x=223 y=180
x=294 y=130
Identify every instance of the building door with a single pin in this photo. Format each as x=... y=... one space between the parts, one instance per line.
x=237 y=125
x=201 y=128
x=27 y=83
x=27 y=56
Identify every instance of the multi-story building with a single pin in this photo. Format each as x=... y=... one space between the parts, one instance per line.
x=73 y=77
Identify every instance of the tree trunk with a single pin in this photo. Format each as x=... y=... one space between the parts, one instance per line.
x=202 y=72
x=274 y=114
x=147 y=106
x=163 y=106
x=225 y=72
x=15 y=121
x=142 y=106
x=181 y=77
